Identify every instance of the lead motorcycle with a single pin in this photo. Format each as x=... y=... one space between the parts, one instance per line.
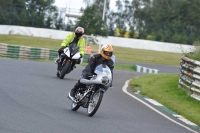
x=90 y=95
x=68 y=59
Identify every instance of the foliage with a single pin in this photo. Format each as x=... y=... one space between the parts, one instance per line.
x=195 y=55
x=33 y=13
x=127 y=34
x=168 y=20
x=92 y=22
x=150 y=37
x=175 y=21
x=117 y=33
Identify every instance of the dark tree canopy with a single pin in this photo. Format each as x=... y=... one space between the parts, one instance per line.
x=34 y=13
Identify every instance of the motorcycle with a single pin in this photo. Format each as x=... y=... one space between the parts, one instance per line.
x=91 y=93
x=68 y=60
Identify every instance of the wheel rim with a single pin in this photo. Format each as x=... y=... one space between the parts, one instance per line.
x=93 y=103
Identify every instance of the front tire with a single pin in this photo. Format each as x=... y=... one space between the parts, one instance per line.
x=94 y=105
x=58 y=74
x=75 y=106
x=64 y=70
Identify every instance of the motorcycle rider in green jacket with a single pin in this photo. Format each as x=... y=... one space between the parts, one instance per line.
x=75 y=37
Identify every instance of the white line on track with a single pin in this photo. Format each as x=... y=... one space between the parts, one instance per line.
x=154 y=109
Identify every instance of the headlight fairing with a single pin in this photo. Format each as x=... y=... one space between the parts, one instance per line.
x=105 y=80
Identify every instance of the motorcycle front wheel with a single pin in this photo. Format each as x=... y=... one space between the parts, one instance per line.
x=95 y=103
x=58 y=74
x=75 y=106
x=64 y=70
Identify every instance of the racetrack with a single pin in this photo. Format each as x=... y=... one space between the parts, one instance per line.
x=34 y=100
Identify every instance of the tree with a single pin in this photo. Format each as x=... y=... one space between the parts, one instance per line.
x=38 y=10
x=92 y=22
x=168 y=20
x=28 y=12
x=122 y=19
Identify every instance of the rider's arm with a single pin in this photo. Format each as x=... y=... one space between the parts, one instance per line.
x=66 y=42
x=111 y=66
x=90 y=66
x=82 y=46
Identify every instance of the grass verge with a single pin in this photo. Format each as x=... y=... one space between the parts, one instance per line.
x=164 y=89
x=121 y=53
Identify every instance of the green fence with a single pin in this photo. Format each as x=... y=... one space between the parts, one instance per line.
x=25 y=52
x=31 y=53
x=86 y=58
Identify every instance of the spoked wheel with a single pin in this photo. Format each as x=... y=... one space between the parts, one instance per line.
x=74 y=106
x=95 y=103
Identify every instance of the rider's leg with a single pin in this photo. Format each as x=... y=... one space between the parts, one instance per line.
x=60 y=51
x=76 y=86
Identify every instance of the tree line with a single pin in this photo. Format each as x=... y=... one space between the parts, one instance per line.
x=175 y=21
x=33 y=13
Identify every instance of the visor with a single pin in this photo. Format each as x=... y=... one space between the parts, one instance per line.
x=108 y=53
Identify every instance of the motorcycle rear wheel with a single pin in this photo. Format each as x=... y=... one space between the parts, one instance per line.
x=75 y=106
x=94 y=105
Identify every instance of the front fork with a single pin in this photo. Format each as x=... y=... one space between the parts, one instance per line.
x=64 y=60
x=94 y=90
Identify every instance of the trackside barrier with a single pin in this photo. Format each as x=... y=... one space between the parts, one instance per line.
x=86 y=58
x=145 y=69
x=24 y=52
x=189 y=77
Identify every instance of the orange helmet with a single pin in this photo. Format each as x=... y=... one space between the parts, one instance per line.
x=106 y=51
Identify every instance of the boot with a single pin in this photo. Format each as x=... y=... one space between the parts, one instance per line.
x=73 y=90
x=57 y=60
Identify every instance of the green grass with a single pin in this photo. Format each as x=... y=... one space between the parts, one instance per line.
x=30 y=41
x=125 y=67
x=164 y=89
x=122 y=54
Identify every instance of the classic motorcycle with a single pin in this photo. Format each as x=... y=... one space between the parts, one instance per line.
x=68 y=59
x=90 y=95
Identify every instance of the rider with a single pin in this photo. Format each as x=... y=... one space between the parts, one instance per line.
x=75 y=37
x=103 y=58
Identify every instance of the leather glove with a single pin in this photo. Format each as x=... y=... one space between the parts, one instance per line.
x=79 y=61
x=81 y=56
x=89 y=74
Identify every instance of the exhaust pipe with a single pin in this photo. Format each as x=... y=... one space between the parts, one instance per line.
x=71 y=98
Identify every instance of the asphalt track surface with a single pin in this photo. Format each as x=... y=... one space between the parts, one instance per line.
x=34 y=100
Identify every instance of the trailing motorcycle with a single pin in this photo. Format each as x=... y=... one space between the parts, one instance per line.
x=68 y=60
x=90 y=95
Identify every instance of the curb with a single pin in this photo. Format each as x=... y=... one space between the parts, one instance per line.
x=145 y=69
x=167 y=110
